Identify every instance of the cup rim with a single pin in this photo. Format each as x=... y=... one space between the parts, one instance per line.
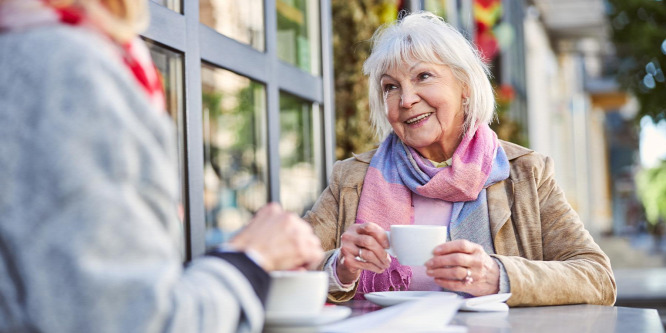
x=279 y=274
x=418 y=226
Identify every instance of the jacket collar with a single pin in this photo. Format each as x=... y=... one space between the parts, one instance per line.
x=499 y=195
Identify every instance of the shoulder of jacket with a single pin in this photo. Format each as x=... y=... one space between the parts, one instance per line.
x=525 y=163
x=357 y=160
x=365 y=157
x=514 y=151
x=351 y=171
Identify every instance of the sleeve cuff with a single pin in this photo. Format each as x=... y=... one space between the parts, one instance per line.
x=256 y=276
x=334 y=283
x=504 y=285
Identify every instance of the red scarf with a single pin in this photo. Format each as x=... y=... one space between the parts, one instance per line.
x=26 y=14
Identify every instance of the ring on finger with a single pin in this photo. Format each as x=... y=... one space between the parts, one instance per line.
x=358 y=257
x=468 y=278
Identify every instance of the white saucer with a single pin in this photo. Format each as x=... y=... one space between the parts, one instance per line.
x=488 y=303
x=327 y=315
x=388 y=298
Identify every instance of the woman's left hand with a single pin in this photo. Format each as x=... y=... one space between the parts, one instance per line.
x=461 y=265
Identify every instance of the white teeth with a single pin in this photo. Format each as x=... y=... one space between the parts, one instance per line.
x=413 y=120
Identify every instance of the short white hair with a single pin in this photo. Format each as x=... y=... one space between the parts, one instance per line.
x=423 y=36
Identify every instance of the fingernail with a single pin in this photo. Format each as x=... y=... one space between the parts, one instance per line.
x=388 y=257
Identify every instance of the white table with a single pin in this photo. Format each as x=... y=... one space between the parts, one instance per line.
x=548 y=319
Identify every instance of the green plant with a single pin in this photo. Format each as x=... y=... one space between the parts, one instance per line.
x=639 y=35
x=354 y=24
x=651 y=186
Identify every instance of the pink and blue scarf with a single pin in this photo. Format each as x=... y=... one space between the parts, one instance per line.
x=397 y=170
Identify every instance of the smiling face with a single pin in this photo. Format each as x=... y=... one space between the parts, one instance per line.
x=424 y=107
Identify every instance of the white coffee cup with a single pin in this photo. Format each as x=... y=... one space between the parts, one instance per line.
x=297 y=292
x=413 y=244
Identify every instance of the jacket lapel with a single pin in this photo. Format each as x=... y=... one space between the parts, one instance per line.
x=500 y=199
x=500 y=203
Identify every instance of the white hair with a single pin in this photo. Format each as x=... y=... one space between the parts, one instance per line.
x=423 y=36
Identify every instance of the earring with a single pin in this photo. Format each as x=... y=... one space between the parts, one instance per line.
x=465 y=101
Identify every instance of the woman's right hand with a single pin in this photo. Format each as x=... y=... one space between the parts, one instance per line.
x=363 y=247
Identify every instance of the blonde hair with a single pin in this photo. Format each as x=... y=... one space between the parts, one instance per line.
x=122 y=19
x=423 y=36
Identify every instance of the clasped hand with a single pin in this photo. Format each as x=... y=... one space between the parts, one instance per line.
x=458 y=265
x=281 y=239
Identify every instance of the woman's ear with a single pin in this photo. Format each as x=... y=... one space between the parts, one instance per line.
x=465 y=91
x=464 y=97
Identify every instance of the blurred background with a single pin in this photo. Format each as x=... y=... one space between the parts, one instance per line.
x=267 y=94
x=578 y=80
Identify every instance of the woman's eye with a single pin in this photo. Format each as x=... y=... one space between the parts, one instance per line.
x=389 y=87
x=424 y=76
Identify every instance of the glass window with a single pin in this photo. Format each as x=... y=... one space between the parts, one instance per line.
x=300 y=153
x=170 y=66
x=174 y=5
x=298 y=34
x=234 y=128
x=437 y=7
x=240 y=20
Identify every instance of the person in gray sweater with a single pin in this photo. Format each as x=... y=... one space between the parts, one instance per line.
x=90 y=239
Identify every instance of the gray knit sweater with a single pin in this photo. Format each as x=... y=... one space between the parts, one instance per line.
x=89 y=236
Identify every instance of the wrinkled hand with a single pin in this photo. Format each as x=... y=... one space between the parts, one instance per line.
x=362 y=248
x=451 y=263
x=281 y=239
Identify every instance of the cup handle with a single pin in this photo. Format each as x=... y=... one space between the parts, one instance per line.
x=389 y=250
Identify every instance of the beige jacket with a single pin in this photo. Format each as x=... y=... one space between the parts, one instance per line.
x=548 y=255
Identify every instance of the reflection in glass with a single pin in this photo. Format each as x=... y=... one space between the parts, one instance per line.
x=171 y=4
x=234 y=109
x=300 y=153
x=170 y=66
x=240 y=20
x=298 y=34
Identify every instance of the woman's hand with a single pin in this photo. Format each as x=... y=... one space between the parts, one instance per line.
x=461 y=265
x=362 y=248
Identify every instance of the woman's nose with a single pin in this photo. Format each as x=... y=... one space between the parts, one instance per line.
x=409 y=97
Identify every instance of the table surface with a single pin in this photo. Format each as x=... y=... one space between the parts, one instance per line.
x=566 y=318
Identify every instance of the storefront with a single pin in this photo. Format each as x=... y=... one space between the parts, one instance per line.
x=248 y=86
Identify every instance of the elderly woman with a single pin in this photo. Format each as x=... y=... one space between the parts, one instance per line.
x=510 y=226
x=90 y=239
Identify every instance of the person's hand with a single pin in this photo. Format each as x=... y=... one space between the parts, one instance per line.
x=362 y=248
x=461 y=265
x=281 y=239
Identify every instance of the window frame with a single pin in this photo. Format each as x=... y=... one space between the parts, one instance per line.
x=198 y=42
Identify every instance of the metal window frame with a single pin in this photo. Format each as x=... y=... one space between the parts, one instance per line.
x=198 y=42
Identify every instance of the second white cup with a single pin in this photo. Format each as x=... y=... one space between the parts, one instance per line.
x=293 y=293
x=413 y=244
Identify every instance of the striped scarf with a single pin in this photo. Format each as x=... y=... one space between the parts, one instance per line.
x=397 y=170
x=21 y=15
